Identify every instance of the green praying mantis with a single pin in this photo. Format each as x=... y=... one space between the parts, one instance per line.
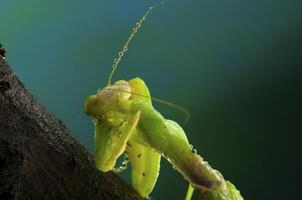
x=127 y=123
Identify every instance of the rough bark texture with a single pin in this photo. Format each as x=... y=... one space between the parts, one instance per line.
x=38 y=157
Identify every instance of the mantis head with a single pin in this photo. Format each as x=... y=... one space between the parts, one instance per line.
x=109 y=98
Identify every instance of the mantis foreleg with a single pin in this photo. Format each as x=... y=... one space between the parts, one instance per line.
x=145 y=163
x=111 y=135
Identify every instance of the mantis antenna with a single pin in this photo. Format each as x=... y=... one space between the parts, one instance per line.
x=120 y=56
x=125 y=47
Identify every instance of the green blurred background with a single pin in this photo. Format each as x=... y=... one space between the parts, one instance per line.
x=236 y=65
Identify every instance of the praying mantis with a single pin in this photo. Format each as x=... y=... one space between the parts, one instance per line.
x=127 y=123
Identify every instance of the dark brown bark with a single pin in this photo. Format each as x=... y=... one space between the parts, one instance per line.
x=38 y=157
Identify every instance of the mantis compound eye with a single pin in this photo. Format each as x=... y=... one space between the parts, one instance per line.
x=107 y=98
x=92 y=105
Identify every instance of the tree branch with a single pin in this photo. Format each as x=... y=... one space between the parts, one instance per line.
x=38 y=157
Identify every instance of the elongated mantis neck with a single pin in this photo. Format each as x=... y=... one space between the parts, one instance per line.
x=117 y=60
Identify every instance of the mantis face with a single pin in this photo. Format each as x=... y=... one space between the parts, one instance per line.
x=110 y=98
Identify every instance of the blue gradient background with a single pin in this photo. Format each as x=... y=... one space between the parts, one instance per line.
x=236 y=65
